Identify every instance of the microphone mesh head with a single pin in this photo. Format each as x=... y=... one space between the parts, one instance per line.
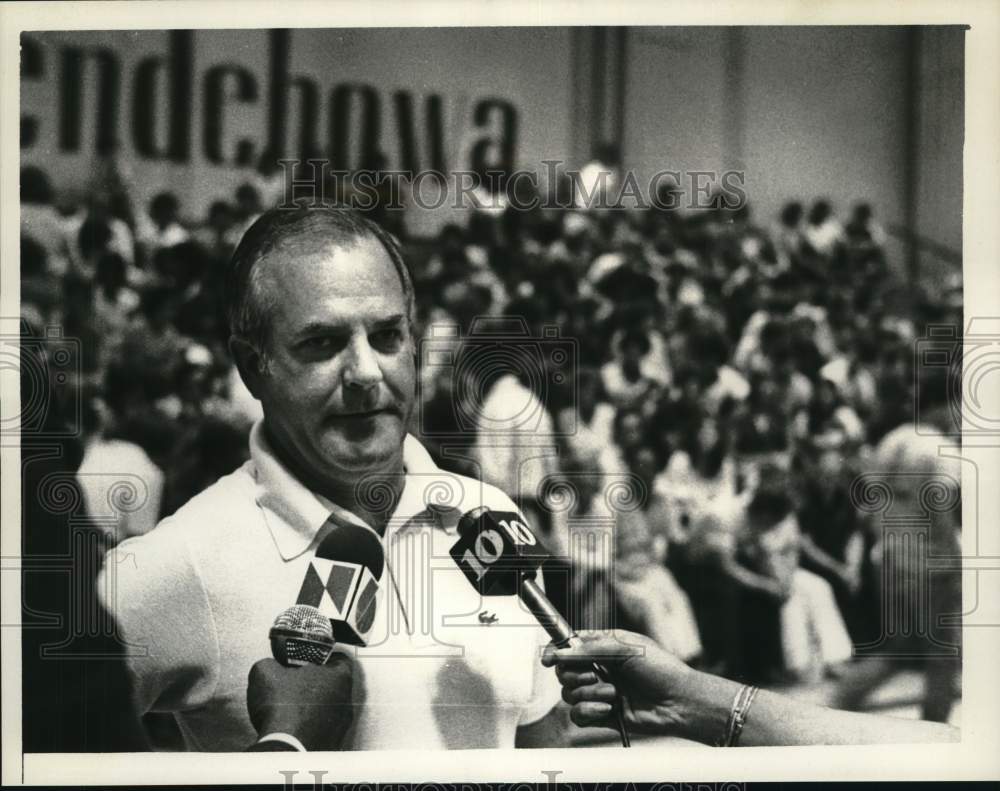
x=302 y=635
x=307 y=619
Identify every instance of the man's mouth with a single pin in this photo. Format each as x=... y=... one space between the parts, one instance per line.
x=361 y=414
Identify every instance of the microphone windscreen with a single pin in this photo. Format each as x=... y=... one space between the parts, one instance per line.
x=350 y=543
x=303 y=618
x=302 y=635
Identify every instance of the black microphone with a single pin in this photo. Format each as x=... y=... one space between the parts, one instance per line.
x=301 y=635
x=342 y=581
x=500 y=555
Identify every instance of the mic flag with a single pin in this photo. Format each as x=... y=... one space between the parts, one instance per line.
x=343 y=578
x=301 y=636
x=497 y=551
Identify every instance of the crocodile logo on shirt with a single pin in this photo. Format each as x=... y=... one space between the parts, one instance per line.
x=488 y=618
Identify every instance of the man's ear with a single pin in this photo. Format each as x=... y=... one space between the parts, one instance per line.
x=248 y=363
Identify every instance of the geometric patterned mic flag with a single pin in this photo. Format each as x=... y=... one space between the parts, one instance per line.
x=365 y=608
x=342 y=579
x=312 y=588
x=329 y=586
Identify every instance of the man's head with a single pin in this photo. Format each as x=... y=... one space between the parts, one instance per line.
x=320 y=305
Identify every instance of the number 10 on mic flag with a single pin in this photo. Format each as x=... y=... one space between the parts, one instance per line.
x=343 y=592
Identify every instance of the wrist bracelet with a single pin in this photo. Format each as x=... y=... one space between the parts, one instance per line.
x=738 y=716
x=286 y=738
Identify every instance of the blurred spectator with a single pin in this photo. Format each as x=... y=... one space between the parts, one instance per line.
x=627 y=383
x=41 y=285
x=790 y=623
x=515 y=438
x=206 y=450
x=588 y=424
x=922 y=469
x=832 y=541
x=823 y=232
x=161 y=226
x=114 y=303
x=248 y=207
x=862 y=230
x=646 y=590
x=90 y=230
x=40 y=221
x=598 y=179
x=219 y=235
x=122 y=487
x=788 y=233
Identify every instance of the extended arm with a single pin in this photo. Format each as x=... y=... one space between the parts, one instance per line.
x=666 y=697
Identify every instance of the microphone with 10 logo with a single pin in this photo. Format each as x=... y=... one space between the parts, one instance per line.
x=501 y=556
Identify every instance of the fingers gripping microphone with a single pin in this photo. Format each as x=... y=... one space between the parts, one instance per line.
x=301 y=635
x=342 y=581
x=501 y=556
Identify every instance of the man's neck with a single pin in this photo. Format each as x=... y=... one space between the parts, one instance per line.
x=370 y=494
x=373 y=496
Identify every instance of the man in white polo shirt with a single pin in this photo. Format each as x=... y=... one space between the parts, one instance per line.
x=320 y=306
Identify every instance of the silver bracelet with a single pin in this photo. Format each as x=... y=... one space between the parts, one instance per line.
x=738 y=716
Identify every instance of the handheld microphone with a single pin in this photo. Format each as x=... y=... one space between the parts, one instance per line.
x=342 y=581
x=301 y=635
x=501 y=556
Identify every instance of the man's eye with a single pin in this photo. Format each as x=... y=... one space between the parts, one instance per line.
x=318 y=343
x=388 y=338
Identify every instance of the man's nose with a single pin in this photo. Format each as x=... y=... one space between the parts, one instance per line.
x=362 y=369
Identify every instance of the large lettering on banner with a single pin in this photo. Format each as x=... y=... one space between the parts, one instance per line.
x=150 y=103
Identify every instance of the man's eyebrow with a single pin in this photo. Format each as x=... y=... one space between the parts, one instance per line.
x=329 y=328
x=320 y=328
x=390 y=321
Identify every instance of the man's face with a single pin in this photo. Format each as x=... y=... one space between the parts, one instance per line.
x=341 y=382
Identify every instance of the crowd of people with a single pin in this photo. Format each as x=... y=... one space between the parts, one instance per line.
x=735 y=378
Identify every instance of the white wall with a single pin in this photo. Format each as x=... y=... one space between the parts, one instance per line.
x=814 y=111
x=940 y=131
x=675 y=100
x=827 y=114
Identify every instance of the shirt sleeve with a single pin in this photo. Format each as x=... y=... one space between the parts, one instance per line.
x=152 y=588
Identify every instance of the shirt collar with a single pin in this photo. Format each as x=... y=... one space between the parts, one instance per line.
x=295 y=514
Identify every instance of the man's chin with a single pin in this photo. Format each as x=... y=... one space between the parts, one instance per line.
x=374 y=452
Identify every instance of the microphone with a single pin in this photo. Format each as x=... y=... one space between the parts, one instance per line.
x=301 y=635
x=342 y=581
x=501 y=556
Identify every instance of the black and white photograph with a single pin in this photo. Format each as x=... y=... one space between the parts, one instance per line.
x=466 y=385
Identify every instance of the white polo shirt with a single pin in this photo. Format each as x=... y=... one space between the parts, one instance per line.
x=195 y=597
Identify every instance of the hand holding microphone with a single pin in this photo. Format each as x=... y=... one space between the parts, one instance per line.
x=501 y=556
x=305 y=690
x=309 y=702
x=655 y=682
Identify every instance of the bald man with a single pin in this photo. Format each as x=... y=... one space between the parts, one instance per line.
x=320 y=306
